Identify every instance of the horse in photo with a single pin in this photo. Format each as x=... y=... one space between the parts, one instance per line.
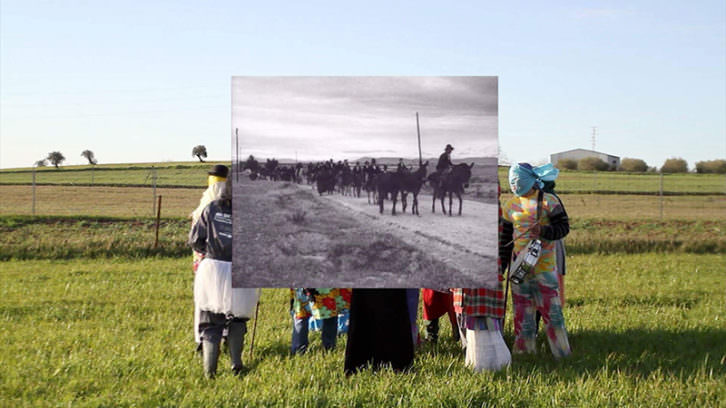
x=452 y=183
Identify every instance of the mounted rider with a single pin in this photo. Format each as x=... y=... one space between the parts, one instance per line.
x=443 y=167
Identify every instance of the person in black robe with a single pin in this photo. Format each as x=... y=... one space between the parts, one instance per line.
x=380 y=331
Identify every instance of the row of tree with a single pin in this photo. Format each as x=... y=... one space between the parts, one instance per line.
x=56 y=158
x=672 y=165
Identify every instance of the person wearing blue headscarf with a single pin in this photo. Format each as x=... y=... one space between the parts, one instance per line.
x=522 y=177
x=540 y=289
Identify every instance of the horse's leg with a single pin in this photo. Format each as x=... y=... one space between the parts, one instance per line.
x=393 y=198
x=458 y=195
x=380 y=203
x=415 y=204
x=433 y=203
x=404 y=202
x=451 y=205
x=443 y=197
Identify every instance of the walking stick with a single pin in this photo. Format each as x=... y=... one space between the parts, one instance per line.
x=254 y=329
x=506 y=299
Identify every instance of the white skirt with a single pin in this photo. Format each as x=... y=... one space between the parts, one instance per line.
x=213 y=291
x=486 y=350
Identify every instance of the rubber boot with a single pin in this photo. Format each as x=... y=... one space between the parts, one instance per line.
x=235 y=343
x=211 y=354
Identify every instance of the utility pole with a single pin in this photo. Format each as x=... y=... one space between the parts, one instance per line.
x=236 y=154
x=418 y=131
x=33 y=191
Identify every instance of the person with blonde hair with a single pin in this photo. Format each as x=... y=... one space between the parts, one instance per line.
x=220 y=305
x=216 y=179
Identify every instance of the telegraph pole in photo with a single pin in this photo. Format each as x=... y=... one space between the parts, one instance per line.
x=236 y=153
x=418 y=131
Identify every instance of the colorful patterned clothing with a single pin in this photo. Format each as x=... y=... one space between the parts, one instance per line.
x=328 y=302
x=483 y=302
x=522 y=213
x=538 y=292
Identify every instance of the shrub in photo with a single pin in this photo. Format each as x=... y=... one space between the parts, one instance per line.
x=592 y=163
x=633 y=165
x=674 y=165
x=566 y=164
x=711 y=166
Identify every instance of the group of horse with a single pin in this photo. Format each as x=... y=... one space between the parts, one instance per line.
x=402 y=181
x=272 y=170
x=379 y=184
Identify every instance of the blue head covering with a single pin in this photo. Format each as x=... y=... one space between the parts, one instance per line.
x=522 y=177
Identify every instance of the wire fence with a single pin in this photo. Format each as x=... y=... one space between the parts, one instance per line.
x=134 y=191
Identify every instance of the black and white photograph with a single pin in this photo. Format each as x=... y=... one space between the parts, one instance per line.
x=365 y=181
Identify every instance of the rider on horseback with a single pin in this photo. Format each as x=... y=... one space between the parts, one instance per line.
x=443 y=167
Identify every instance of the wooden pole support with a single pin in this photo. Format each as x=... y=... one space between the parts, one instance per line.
x=158 y=217
x=418 y=131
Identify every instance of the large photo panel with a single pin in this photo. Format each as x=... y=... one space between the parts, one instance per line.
x=365 y=181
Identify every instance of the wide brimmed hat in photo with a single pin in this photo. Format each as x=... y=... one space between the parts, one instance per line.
x=219 y=170
x=449 y=147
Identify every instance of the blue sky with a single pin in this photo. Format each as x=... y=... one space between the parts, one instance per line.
x=136 y=82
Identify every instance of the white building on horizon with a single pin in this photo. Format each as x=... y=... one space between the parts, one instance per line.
x=578 y=154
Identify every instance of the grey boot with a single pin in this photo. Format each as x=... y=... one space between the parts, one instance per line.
x=210 y=351
x=235 y=343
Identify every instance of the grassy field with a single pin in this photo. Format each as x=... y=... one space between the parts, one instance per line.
x=191 y=174
x=179 y=202
x=93 y=316
x=88 y=237
x=98 y=201
x=118 y=332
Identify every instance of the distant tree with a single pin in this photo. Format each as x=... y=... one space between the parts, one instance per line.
x=633 y=165
x=566 y=164
x=200 y=151
x=56 y=158
x=89 y=156
x=711 y=166
x=674 y=165
x=41 y=163
x=592 y=163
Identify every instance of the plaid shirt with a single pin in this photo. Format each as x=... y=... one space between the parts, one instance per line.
x=482 y=302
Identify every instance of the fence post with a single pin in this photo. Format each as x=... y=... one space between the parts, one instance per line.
x=153 y=200
x=33 y=191
x=660 y=193
x=93 y=167
x=158 y=216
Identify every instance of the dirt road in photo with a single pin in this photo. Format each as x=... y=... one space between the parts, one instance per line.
x=467 y=243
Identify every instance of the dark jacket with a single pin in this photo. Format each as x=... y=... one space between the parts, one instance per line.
x=212 y=234
x=444 y=162
x=559 y=223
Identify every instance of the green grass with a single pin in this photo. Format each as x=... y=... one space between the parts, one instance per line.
x=88 y=237
x=646 y=330
x=179 y=175
x=24 y=237
x=92 y=316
